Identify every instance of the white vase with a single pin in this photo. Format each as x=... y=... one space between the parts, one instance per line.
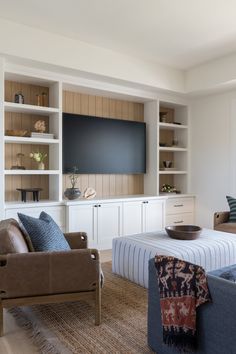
x=41 y=166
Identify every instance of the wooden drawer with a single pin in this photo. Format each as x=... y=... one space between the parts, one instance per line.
x=56 y=212
x=180 y=219
x=179 y=205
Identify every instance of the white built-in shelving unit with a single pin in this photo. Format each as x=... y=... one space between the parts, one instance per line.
x=174 y=146
x=22 y=116
x=55 y=84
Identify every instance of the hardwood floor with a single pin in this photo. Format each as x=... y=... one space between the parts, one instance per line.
x=15 y=341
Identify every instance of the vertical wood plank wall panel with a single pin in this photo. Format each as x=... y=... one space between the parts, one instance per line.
x=105 y=184
x=25 y=122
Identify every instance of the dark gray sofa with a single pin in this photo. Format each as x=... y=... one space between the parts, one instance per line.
x=216 y=321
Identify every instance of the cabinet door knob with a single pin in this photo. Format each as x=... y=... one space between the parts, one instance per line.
x=178 y=205
x=178 y=222
x=95 y=206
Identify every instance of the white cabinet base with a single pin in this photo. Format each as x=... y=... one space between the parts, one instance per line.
x=180 y=211
x=105 y=220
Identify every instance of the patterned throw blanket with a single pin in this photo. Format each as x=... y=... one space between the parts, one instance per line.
x=183 y=287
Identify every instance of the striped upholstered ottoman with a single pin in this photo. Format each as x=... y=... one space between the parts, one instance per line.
x=130 y=254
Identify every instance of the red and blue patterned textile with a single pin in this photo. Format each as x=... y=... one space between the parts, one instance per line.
x=183 y=287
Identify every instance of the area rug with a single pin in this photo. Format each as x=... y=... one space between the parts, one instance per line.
x=69 y=327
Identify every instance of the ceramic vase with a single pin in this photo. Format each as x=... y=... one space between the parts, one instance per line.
x=72 y=193
x=41 y=166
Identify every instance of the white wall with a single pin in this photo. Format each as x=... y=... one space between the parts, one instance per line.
x=218 y=74
x=33 y=44
x=213 y=154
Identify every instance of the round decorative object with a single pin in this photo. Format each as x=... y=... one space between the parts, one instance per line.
x=184 y=232
x=40 y=126
x=72 y=193
x=89 y=193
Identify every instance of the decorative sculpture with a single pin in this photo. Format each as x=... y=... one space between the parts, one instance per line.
x=40 y=126
x=89 y=193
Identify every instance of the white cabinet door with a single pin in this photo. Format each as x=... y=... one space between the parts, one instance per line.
x=153 y=215
x=108 y=223
x=180 y=219
x=83 y=218
x=180 y=205
x=132 y=218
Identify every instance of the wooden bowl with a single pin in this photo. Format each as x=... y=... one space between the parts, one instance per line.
x=12 y=132
x=184 y=232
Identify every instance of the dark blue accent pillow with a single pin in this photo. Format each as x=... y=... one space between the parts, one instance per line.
x=228 y=273
x=44 y=233
x=232 y=206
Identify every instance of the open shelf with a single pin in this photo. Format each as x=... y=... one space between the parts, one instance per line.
x=28 y=108
x=31 y=172
x=25 y=140
x=30 y=203
x=171 y=148
x=172 y=126
x=172 y=172
x=174 y=137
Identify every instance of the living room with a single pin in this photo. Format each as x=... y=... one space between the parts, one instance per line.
x=117 y=119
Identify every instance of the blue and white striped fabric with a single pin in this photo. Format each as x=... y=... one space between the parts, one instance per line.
x=130 y=254
x=232 y=206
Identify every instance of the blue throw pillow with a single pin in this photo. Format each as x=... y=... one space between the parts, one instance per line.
x=228 y=273
x=44 y=233
x=232 y=207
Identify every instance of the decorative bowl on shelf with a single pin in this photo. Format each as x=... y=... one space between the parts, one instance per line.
x=184 y=232
x=13 y=132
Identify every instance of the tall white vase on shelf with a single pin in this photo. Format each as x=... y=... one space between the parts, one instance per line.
x=41 y=166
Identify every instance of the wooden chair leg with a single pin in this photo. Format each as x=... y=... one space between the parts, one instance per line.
x=1 y=319
x=98 y=305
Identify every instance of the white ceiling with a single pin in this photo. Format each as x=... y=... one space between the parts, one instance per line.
x=178 y=33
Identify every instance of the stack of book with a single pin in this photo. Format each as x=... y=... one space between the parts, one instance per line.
x=42 y=135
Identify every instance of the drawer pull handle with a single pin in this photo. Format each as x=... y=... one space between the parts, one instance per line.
x=178 y=222
x=178 y=205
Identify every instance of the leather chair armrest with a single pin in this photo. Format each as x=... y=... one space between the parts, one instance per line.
x=77 y=240
x=221 y=217
x=46 y=273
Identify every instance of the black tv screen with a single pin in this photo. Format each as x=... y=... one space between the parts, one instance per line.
x=101 y=145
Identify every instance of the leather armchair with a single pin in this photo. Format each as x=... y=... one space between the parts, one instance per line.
x=221 y=222
x=28 y=278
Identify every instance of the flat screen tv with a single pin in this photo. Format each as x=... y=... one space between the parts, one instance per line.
x=103 y=146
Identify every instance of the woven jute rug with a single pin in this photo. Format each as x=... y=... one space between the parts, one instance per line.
x=69 y=327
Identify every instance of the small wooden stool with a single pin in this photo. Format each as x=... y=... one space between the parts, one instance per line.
x=24 y=191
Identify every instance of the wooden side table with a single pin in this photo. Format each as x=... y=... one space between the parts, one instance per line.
x=24 y=191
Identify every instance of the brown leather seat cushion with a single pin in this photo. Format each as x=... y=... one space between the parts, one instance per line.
x=227 y=227
x=11 y=238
